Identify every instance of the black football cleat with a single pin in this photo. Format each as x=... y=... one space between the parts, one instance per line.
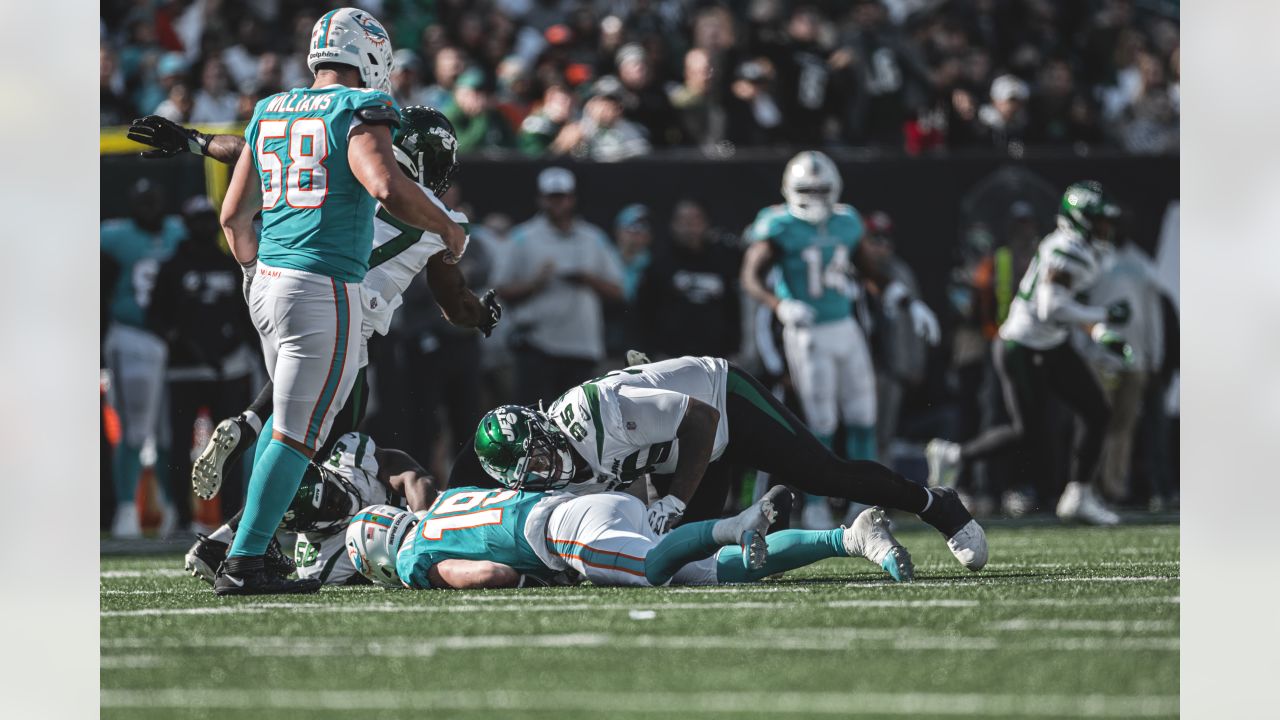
x=206 y=555
x=226 y=445
x=250 y=576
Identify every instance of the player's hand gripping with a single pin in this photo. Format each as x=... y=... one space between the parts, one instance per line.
x=490 y=301
x=1114 y=343
x=455 y=243
x=167 y=137
x=664 y=513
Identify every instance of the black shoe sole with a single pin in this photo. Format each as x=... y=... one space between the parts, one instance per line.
x=288 y=587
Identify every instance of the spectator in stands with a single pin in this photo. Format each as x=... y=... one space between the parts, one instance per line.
x=1148 y=122
x=215 y=102
x=804 y=78
x=472 y=112
x=633 y=238
x=688 y=301
x=170 y=69
x=198 y=309
x=607 y=136
x=1059 y=114
x=701 y=116
x=555 y=277
x=114 y=107
x=177 y=107
x=549 y=130
x=406 y=86
x=447 y=67
x=889 y=76
x=645 y=103
x=1003 y=123
x=752 y=114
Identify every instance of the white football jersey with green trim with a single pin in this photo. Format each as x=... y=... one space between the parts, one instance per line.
x=400 y=253
x=321 y=553
x=625 y=423
x=1063 y=251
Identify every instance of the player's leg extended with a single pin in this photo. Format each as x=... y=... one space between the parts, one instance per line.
x=229 y=440
x=813 y=374
x=869 y=537
x=315 y=328
x=765 y=435
x=1075 y=384
x=856 y=388
x=695 y=541
x=136 y=360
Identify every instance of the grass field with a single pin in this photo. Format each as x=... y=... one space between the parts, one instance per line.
x=1064 y=622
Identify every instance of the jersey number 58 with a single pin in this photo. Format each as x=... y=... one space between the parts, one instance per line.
x=303 y=181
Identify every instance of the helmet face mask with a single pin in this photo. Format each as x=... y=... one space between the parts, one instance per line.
x=522 y=449
x=811 y=185
x=426 y=147
x=373 y=541
x=350 y=36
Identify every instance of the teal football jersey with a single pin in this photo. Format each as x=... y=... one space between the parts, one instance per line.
x=813 y=261
x=140 y=255
x=471 y=523
x=315 y=215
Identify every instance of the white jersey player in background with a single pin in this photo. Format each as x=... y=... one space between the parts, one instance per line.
x=685 y=421
x=1033 y=355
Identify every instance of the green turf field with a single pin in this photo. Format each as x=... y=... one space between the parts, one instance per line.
x=1064 y=622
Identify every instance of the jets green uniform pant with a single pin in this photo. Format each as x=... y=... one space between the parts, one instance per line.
x=765 y=435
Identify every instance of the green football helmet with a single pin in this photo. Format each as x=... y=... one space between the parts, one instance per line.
x=426 y=147
x=1083 y=204
x=521 y=448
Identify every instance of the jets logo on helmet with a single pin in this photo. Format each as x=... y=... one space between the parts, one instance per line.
x=522 y=449
x=351 y=36
x=811 y=185
x=1083 y=205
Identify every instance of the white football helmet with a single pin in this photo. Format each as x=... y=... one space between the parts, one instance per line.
x=351 y=36
x=811 y=185
x=373 y=541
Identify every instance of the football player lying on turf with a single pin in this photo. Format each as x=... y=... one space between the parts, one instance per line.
x=478 y=538
x=685 y=421
x=425 y=148
x=356 y=474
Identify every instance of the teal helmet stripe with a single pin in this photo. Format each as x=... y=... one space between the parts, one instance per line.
x=324 y=33
x=382 y=520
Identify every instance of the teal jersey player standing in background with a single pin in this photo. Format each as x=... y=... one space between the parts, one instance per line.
x=315 y=162
x=814 y=244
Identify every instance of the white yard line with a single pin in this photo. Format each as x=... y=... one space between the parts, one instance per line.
x=1115 y=626
x=666 y=703
x=153 y=572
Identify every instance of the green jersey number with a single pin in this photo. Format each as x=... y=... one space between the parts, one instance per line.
x=306 y=554
x=576 y=429
x=655 y=456
x=1027 y=287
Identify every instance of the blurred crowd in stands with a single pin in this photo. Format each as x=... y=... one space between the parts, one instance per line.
x=614 y=79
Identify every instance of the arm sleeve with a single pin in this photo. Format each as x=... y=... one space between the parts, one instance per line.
x=656 y=414
x=1055 y=303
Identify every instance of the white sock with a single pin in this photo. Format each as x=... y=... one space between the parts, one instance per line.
x=252 y=418
x=928 y=503
x=223 y=534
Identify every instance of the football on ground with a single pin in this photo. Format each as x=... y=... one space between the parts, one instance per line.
x=1064 y=622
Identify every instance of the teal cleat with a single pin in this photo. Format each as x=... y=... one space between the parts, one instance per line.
x=869 y=537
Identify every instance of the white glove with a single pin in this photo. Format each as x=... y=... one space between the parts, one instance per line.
x=925 y=322
x=894 y=294
x=794 y=312
x=249 y=269
x=664 y=513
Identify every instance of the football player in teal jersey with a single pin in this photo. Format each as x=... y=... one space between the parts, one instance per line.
x=134 y=356
x=314 y=163
x=484 y=538
x=814 y=243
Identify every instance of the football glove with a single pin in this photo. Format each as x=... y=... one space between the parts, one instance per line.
x=635 y=357
x=167 y=137
x=794 y=312
x=1119 y=312
x=490 y=301
x=1113 y=343
x=249 y=269
x=664 y=513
